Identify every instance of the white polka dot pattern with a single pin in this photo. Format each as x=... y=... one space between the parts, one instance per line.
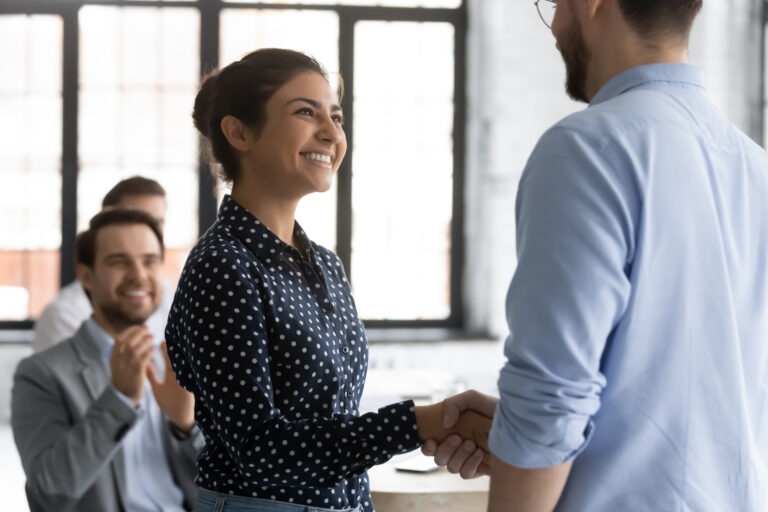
x=270 y=343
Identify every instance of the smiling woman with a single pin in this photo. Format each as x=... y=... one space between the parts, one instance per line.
x=263 y=328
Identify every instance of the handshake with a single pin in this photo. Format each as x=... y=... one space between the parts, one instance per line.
x=455 y=431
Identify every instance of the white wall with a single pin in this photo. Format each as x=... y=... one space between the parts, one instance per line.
x=725 y=44
x=515 y=89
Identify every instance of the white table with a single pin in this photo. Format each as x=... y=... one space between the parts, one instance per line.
x=438 y=491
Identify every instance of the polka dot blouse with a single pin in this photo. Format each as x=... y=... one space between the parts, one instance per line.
x=268 y=339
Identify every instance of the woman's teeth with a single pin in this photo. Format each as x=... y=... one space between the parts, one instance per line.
x=318 y=157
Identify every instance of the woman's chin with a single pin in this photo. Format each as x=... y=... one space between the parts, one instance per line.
x=323 y=186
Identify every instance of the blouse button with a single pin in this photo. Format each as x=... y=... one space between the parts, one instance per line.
x=345 y=349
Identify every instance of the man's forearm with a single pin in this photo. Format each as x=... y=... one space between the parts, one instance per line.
x=525 y=490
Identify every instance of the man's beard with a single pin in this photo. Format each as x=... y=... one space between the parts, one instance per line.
x=576 y=56
x=120 y=318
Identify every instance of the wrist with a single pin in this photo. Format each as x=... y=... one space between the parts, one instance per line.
x=184 y=426
x=429 y=420
x=126 y=397
x=182 y=431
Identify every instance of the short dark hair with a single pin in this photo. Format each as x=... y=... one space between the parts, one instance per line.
x=85 y=245
x=242 y=89
x=653 y=18
x=133 y=186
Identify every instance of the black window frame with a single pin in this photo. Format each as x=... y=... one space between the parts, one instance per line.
x=210 y=11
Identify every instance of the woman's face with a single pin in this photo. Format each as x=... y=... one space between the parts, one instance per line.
x=302 y=143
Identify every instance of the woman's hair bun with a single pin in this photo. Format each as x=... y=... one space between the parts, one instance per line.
x=201 y=112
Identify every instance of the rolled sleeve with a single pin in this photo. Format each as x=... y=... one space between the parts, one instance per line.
x=575 y=240
x=515 y=448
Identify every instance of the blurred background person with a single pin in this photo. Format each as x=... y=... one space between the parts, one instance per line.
x=64 y=315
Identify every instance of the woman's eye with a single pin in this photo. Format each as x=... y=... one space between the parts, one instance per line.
x=338 y=119
x=305 y=111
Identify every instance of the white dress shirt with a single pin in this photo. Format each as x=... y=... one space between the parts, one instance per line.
x=148 y=477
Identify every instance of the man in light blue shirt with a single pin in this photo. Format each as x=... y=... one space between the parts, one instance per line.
x=637 y=360
x=95 y=427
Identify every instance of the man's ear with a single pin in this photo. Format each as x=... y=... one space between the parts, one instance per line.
x=238 y=135
x=85 y=276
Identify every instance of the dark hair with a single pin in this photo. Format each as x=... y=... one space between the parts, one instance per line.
x=133 y=186
x=242 y=89
x=85 y=245
x=653 y=18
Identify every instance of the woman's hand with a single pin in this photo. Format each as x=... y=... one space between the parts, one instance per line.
x=471 y=425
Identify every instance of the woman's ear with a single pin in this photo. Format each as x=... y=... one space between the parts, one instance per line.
x=238 y=135
x=593 y=6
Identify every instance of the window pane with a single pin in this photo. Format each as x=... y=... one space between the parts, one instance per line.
x=380 y=3
x=30 y=163
x=139 y=74
x=402 y=185
x=313 y=32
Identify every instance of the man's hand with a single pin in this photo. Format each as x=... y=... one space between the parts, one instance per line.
x=131 y=354
x=471 y=425
x=177 y=403
x=460 y=457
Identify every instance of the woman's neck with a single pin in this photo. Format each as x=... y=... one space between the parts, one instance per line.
x=277 y=214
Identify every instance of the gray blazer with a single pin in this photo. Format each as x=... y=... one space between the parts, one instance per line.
x=68 y=424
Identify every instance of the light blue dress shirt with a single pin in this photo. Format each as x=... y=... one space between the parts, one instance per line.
x=638 y=313
x=149 y=481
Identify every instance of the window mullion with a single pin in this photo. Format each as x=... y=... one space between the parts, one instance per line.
x=344 y=176
x=209 y=60
x=69 y=155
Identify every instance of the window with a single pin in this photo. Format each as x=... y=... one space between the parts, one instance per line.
x=109 y=86
x=403 y=169
x=30 y=198
x=139 y=72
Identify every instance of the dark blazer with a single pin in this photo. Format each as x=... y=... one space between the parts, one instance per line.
x=68 y=424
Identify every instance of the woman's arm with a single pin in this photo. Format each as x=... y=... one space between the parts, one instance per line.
x=219 y=348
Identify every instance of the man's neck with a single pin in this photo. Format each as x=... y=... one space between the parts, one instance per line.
x=100 y=320
x=631 y=53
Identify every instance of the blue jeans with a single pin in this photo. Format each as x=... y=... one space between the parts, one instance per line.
x=210 y=501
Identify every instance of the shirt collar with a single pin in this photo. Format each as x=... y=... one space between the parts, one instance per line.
x=255 y=235
x=640 y=75
x=104 y=341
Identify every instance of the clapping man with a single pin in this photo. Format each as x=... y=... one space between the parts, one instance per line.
x=95 y=427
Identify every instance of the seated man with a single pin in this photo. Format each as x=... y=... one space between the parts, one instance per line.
x=91 y=433
x=64 y=314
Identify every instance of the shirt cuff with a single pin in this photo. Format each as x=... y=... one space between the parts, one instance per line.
x=180 y=434
x=512 y=447
x=401 y=418
x=127 y=401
